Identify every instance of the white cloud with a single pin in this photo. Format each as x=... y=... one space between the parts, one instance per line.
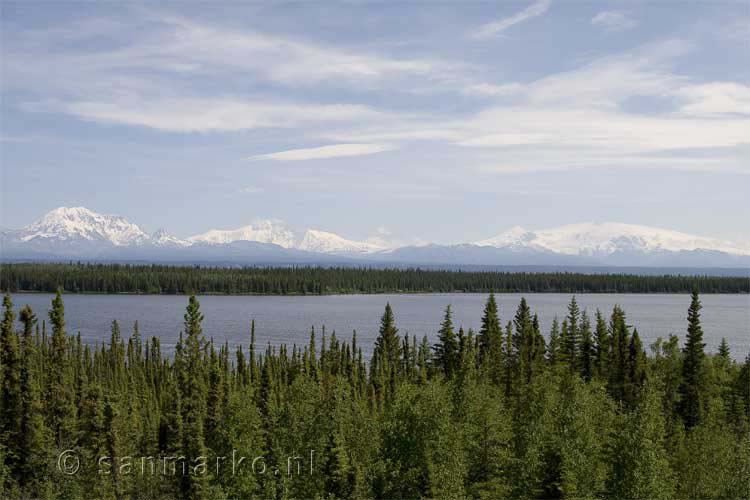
x=581 y=118
x=715 y=98
x=496 y=27
x=492 y=90
x=613 y=21
x=252 y=190
x=331 y=151
x=210 y=114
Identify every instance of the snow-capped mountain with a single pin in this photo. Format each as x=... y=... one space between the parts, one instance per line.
x=598 y=240
x=79 y=223
x=325 y=242
x=79 y=233
x=162 y=238
x=263 y=231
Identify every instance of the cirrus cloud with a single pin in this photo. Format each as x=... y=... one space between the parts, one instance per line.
x=325 y=152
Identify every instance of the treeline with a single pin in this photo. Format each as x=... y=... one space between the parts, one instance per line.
x=505 y=412
x=162 y=279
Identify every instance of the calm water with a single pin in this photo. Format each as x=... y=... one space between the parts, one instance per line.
x=288 y=319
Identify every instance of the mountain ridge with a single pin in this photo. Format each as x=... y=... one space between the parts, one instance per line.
x=77 y=232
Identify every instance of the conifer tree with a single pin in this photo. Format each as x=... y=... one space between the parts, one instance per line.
x=33 y=444
x=572 y=337
x=601 y=345
x=692 y=387
x=636 y=370
x=724 y=351
x=387 y=349
x=490 y=341
x=194 y=391
x=11 y=387
x=446 y=350
x=587 y=352
x=524 y=360
x=553 y=353
x=618 y=367
x=59 y=394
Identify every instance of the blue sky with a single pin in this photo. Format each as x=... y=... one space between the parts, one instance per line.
x=439 y=121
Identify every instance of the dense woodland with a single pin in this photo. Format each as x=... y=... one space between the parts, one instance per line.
x=505 y=412
x=161 y=279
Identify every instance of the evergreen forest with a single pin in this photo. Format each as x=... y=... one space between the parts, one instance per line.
x=201 y=280
x=584 y=410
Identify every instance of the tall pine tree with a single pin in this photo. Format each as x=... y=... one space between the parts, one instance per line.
x=692 y=387
x=446 y=350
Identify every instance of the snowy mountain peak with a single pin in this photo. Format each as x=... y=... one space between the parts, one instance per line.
x=603 y=239
x=515 y=237
x=325 y=242
x=80 y=223
x=162 y=238
x=264 y=231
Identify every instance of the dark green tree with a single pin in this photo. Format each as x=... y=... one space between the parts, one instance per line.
x=194 y=394
x=601 y=346
x=587 y=352
x=692 y=387
x=490 y=341
x=446 y=350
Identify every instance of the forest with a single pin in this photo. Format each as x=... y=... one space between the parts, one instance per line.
x=581 y=411
x=187 y=280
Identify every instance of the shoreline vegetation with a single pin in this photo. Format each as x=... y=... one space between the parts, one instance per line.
x=307 y=280
x=508 y=411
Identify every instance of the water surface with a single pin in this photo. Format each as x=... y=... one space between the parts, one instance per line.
x=288 y=320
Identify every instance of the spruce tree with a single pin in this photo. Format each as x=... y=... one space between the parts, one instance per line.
x=524 y=340
x=446 y=350
x=618 y=365
x=636 y=371
x=490 y=340
x=194 y=393
x=601 y=346
x=553 y=352
x=692 y=387
x=60 y=398
x=387 y=349
x=724 y=351
x=33 y=445
x=11 y=387
x=587 y=353
x=572 y=338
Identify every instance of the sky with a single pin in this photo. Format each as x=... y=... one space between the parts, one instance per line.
x=410 y=121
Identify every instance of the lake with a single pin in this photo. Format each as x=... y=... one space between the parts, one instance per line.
x=280 y=319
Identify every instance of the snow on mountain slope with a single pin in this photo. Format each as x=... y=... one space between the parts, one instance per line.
x=162 y=238
x=81 y=233
x=325 y=242
x=79 y=223
x=607 y=238
x=264 y=231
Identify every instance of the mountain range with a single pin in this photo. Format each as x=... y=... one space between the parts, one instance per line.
x=81 y=234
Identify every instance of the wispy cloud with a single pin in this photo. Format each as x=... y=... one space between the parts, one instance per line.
x=252 y=190
x=195 y=114
x=323 y=152
x=580 y=118
x=715 y=99
x=614 y=21
x=496 y=27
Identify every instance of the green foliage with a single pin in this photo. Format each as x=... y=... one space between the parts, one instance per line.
x=490 y=341
x=692 y=387
x=503 y=414
x=639 y=460
x=446 y=350
x=303 y=280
